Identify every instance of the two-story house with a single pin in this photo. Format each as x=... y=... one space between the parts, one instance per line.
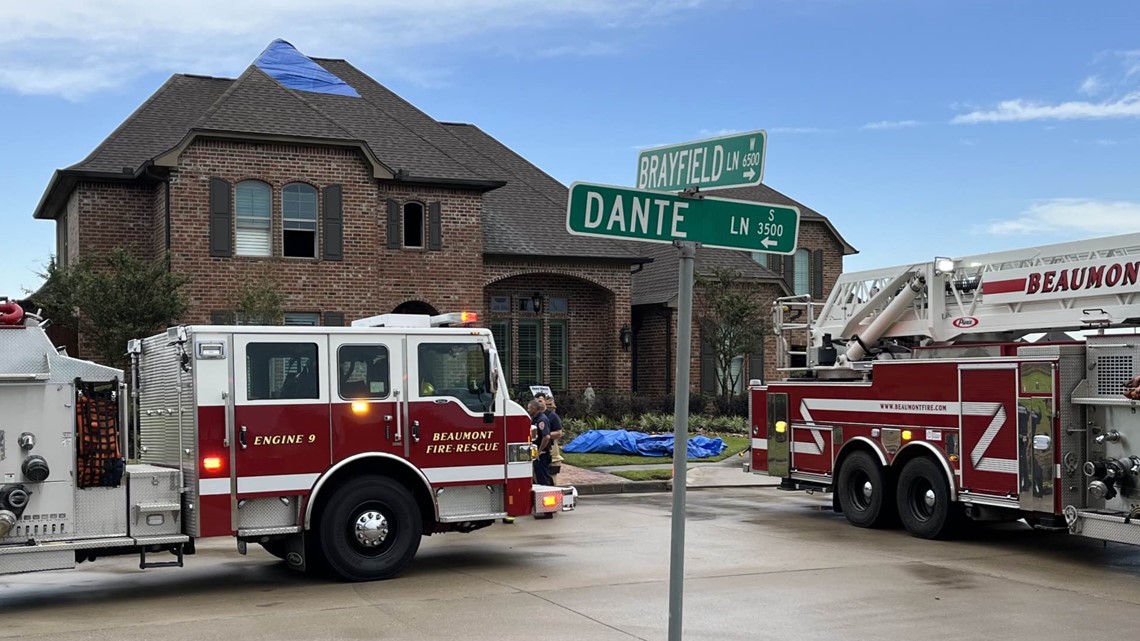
x=357 y=203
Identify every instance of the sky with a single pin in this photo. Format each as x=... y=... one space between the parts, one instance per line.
x=921 y=128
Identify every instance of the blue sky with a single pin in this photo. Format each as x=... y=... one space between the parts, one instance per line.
x=920 y=127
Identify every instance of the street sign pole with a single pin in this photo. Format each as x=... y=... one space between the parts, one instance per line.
x=681 y=436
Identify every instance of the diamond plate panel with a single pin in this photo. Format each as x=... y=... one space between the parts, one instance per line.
x=469 y=501
x=267 y=513
x=150 y=485
x=37 y=561
x=1106 y=527
x=101 y=511
x=29 y=352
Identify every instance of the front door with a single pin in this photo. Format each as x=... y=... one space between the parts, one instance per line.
x=281 y=438
x=367 y=394
x=449 y=392
x=989 y=429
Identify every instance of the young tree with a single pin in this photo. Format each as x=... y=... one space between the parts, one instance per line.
x=111 y=301
x=731 y=317
x=260 y=302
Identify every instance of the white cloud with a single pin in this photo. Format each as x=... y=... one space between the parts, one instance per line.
x=1092 y=86
x=891 y=124
x=1023 y=111
x=76 y=47
x=1072 y=215
x=716 y=133
x=970 y=142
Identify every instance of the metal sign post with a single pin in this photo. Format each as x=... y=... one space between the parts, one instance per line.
x=681 y=436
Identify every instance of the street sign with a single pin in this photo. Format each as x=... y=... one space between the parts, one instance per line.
x=716 y=163
x=632 y=214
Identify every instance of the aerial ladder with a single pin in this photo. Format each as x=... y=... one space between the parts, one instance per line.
x=985 y=298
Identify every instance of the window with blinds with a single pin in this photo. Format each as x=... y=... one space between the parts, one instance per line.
x=501 y=331
x=530 y=353
x=299 y=221
x=558 y=355
x=253 y=218
x=801 y=283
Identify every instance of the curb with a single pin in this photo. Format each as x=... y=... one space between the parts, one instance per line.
x=644 y=487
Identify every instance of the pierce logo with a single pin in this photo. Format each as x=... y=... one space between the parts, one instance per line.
x=965 y=322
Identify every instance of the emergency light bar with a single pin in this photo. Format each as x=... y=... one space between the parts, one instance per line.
x=418 y=320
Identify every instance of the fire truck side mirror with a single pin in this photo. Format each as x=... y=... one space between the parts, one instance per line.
x=488 y=417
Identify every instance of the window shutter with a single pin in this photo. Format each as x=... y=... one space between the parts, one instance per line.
x=334 y=319
x=393 y=224
x=219 y=318
x=435 y=227
x=789 y=271
x=221 y=220
x=776 y=263
x=756 y=365
x=334 y=223
x=708 y=367
x=817 y=274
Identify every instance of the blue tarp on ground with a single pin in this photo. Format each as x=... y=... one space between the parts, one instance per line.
x=295 y=70
x=626 y=442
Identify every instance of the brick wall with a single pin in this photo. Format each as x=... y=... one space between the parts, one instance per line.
x=598 y=303
x=370 y=280
x=815 y=235
x=655 y=345
x=158 y=220
x=106 y=216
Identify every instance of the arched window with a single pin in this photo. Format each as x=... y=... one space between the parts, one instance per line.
x=801 y=281
x=414 y=225
x=299 y=221
x=253 y=218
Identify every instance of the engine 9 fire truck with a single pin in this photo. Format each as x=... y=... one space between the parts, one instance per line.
x=332 y=447
x=912 y=393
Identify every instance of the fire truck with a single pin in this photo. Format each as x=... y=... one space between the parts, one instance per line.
x=334 y=448
x=915 y=394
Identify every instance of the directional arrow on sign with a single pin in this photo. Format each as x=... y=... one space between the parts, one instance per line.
x=750 y=174
x=768 y=242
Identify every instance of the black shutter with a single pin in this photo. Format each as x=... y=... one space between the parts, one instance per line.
x=708 y=367
x=756 y=365
x=817 y=274
x=790 y=272
x=393 y=224
x=776 y=263
x=334 y=319
x=334 y=223
x=435 y=227
x=221 y=223
x=219 y=318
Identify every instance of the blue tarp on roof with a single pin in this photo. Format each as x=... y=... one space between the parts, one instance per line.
x=294 y=70
x=626 y=442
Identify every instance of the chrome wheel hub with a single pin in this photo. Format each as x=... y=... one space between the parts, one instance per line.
x=371 y=529
x=929 y=498
x=868 y=490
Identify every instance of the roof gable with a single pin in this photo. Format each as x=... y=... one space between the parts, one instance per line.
x=293 y=69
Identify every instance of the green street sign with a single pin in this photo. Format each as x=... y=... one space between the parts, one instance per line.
x=716 y=163
x=633 y=214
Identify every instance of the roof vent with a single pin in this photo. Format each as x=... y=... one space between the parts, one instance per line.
x=294 y=70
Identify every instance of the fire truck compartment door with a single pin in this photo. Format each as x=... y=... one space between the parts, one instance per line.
x=988 y=422
x=449 y=394
x=281 y=438
x=367 y=395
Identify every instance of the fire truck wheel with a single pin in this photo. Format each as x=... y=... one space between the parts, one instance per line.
x=924 y=500
x=864 y=493
x=370 y=529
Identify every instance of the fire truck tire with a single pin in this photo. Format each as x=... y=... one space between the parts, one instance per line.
x=370 y=529
x=865 y=495
x=924 y=501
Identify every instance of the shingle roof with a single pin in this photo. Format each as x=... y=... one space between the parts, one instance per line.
x=530 y=201
x=657 y=282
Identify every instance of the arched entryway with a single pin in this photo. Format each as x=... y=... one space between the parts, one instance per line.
x=415 y=307
x=558 y=330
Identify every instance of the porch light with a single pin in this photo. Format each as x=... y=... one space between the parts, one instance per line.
x=536 y=302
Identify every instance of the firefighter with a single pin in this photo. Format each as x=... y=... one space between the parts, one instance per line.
x=536 y=408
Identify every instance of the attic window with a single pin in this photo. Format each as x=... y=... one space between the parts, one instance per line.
x=299 y=217
x=414 y=225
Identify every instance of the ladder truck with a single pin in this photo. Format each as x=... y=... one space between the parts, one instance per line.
x=334 y=448
x=912 y=393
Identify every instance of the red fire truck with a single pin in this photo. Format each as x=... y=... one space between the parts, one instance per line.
x=334 y=447
x=913 y=395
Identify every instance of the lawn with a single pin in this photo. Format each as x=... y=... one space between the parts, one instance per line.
x=736 y=444
x=646 y=475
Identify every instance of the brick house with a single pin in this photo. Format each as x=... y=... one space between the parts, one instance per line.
x=357 y=203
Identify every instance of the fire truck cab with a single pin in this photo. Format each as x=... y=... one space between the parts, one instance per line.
x=912 y=394
x=332 y=447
